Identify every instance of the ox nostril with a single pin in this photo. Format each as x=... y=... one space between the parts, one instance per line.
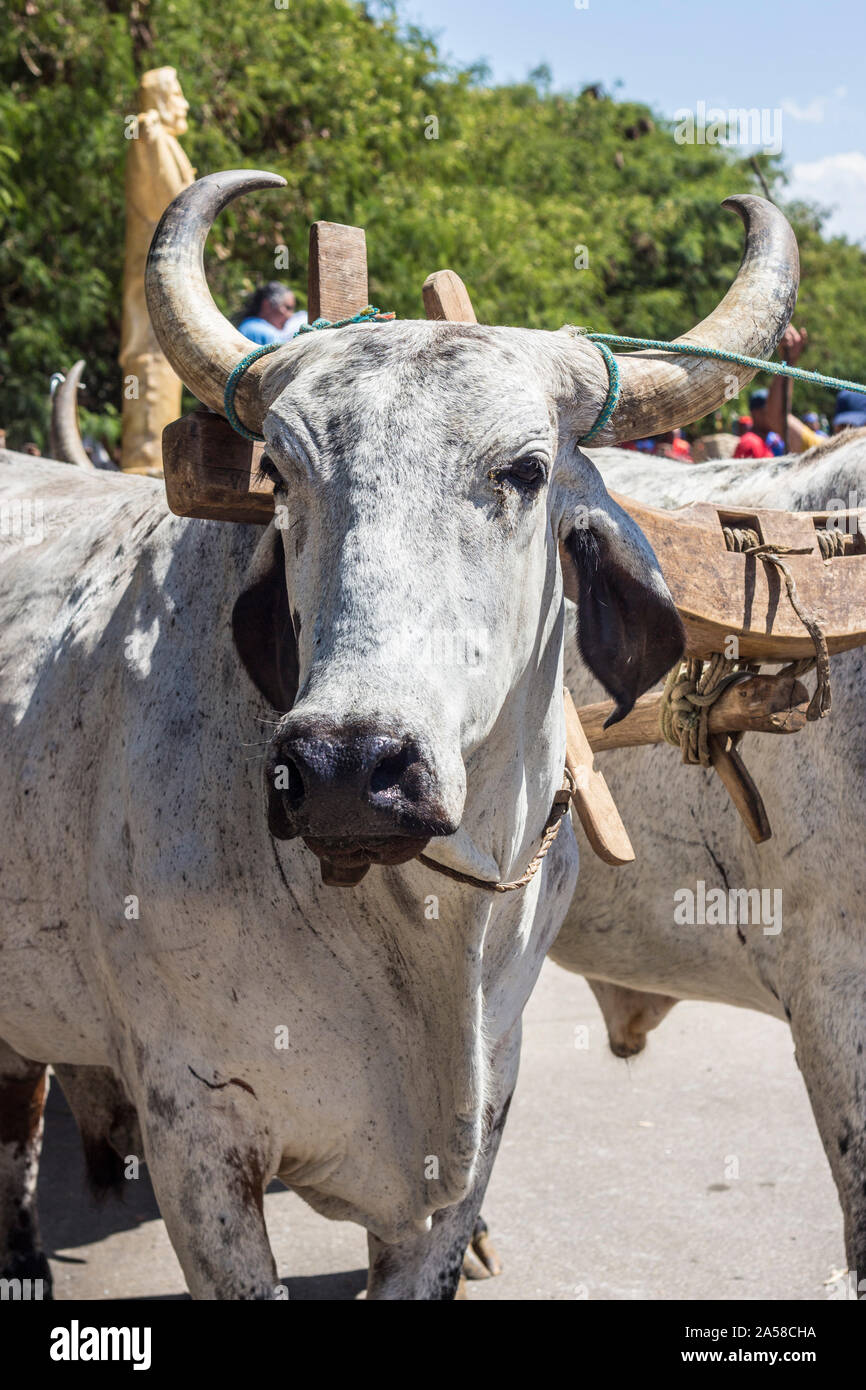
x=292 y=783
x=399 y=772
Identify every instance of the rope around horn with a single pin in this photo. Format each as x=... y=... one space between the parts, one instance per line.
x=369 y=314
x=758 y=364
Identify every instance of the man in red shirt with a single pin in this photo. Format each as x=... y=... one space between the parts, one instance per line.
x=751 y=445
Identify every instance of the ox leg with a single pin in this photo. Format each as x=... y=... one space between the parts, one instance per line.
x=206 y=1159
x=428 y=1267
x=23 y=1087
x=106 y=1121
x=829 y=1027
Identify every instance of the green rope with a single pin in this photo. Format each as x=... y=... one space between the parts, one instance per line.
x=692 y=350
x=695 y=350
x=612 y=401
x=369 y=314
x=232 y=386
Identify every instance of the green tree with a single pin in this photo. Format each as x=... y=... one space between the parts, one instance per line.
x=505 y=184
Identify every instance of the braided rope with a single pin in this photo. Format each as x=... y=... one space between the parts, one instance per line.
x=748 y=542
x=723 y=355
x=561 y=803
x=830 y=542
x=687 y=350
x=369 y=314
x=693 y=686
x=232 y=385
x=612 y=399
x=691 y=690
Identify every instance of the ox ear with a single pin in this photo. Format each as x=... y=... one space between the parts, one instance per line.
x=629 y=631
x=262 y=625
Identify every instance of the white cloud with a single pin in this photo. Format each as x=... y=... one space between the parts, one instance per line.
x=814 y=112
x=837 y=181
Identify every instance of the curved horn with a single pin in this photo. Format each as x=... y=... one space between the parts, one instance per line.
x=658 y=391
x=201 y=345
x=65 y=434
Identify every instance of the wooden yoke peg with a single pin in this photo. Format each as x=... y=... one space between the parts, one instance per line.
x=336 y=271
x=210 y=470
x=446 y=297
x=595 y=806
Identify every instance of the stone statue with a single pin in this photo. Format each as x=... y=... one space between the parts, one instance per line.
x=156 y=171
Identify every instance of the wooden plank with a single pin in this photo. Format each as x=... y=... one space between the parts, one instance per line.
x=595 y=806
x=719 y=592
x=211 y=471
x=446 y=297
x=336 y=271
x=762 y=704
x=741 y=789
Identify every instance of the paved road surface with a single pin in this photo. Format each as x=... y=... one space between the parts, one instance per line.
x=692 y=1172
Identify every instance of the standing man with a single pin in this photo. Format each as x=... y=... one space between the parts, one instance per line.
x=156 y=171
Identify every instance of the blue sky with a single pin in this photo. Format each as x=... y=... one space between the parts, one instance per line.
x=802 y=58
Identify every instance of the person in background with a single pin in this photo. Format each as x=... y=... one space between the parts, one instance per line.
x=680 y=447
x=776 y=416
x=752 y=430
x=850 y=411
x=813 y=422
x=271 y=315
x=672 y=445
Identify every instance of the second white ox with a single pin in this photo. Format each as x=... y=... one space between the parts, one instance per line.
x=809 y=968
x=171 y=948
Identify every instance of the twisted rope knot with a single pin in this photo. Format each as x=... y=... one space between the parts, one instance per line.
x=691 y=690
x=559 y=809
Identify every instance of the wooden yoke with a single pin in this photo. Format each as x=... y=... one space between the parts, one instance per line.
x=721 y=593
x=211 y=471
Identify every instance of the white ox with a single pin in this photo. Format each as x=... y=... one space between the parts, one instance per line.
x=175 y=951
x=620 y=930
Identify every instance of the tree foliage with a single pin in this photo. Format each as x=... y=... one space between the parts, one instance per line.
x=505 y=184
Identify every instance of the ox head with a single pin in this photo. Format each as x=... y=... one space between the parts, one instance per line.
x=404 y=609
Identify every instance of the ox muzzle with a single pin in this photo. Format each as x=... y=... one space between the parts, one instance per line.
x=356 y=794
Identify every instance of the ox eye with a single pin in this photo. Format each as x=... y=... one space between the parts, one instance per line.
x=527 y=473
